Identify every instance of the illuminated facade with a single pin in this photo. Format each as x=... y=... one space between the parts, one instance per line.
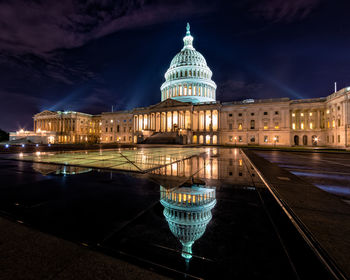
x=68 y=126
x=189 y=114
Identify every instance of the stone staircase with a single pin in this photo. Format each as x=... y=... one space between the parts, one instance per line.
x=163 y=138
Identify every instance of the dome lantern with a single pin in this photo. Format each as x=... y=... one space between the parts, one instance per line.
x=188 y=39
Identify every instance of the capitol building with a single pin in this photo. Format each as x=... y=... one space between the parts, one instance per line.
x=190 y=114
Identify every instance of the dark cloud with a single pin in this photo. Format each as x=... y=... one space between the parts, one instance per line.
x=284 y=10
x=41 y=27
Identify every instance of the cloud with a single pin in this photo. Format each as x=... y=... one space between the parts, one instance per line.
x=284 y=10
x=40 y=27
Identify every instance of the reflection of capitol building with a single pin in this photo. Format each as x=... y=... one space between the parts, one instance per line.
x=223 y=166
x=188 y=212
x=189 y=114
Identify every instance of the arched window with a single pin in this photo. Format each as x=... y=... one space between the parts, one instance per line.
x=304 y=140
x=207 y=139
x=190 y=73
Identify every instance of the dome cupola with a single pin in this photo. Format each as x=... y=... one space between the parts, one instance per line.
x=188 y=78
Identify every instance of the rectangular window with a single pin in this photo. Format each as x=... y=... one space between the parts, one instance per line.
x=332 y=138
x=327 y=139
x=277 y=125
x=240 y=115
x=302 y=126
x=338 y=138
x=266 y=139
x=311 y=125
x=118 y=128
x=230 y=138
x=265 y=113
x=276 y=113
x=240 y=139
x=240 y=126
x=266 y=125
x=252 y=124
x=124 y=129
x=252 y=114
x=333 y=123
x=338 y=122
x=111 y=129
x=106 y=129
x=293 y=125
x=230 y=126
x=277 y=139
x=230 y=115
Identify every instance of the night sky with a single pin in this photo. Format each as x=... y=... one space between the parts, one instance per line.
x=89 y=55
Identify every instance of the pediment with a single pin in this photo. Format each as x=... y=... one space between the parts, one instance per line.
x=46 y=113
x=169 y=103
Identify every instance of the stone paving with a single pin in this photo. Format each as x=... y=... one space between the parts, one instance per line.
x=325 y=217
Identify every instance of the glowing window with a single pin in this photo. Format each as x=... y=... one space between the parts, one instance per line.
x=302 y=125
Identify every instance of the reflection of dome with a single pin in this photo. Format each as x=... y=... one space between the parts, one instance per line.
x=188 y=78
x=188 y=211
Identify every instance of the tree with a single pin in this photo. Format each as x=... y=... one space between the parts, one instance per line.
x=4 y=136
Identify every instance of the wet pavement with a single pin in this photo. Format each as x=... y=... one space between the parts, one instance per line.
x=327 y=171
x=194 y=213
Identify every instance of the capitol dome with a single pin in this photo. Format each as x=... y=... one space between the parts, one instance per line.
x=188 y=78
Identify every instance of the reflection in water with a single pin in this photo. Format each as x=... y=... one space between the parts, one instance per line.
x=46 y=169
x=222 y=166
x=188 y=211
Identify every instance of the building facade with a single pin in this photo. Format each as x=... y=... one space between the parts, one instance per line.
x=190 y=112
x=68 y=126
